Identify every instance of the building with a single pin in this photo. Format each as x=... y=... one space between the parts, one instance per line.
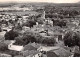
x=15 y=47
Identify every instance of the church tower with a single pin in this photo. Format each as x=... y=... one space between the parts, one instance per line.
x=43 y=14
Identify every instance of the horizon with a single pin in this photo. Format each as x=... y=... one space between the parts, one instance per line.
x=43 y=1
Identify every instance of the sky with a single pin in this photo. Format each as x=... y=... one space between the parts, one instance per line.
x=51 y=1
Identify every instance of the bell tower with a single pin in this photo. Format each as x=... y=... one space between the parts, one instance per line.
x=43 y=14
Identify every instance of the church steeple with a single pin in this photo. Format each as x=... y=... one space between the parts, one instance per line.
x=43 y=14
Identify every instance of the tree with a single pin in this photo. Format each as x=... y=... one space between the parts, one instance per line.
x=71 y=39
x=19 y=27
x=29 y=23
x=10 y=35
x=59 y=23
x=21 y=40
x=36 y=37
x=25 y=39
x=40 y=20
x=73 y=13
x=49 y=41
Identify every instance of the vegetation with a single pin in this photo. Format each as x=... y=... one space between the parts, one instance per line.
x=29 y=23
x=60 y=12
x=40 y=21
x=10 y=35
x=59 y=22
x=49 y=41
x=72 y=38
x=24 y=40
x=19 y=27
x=3 y=46
x=29 y=36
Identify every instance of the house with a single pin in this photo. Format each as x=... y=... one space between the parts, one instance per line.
x=29 y=47
x=58 y=35
x=6 y=28
x=15 y=47
x=47 y=48
x=55 y=51
x=25 y=17
x=25 y=28
x=36 y=45
x=29 y=53
x=51 y=54
x=61 y=52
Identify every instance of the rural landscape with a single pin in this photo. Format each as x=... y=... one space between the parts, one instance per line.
x=39 y=29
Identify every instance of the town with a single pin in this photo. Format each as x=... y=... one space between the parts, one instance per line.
x=39 y=30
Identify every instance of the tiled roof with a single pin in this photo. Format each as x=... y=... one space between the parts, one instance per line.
x=29 y=52
x=29 y=47
x=62 y=52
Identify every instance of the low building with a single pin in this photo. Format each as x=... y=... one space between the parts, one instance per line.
x=61 y=52
x=15 y=47
x=29 y=53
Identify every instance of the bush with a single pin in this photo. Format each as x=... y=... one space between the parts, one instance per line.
x=50 y=41
x=19 y=27
x=21 y=40
x=35 y=37
x=29 y=23
x=38 y=37
x=76 y=54
x=10 y=35
x=40 y=21
x=3 y=46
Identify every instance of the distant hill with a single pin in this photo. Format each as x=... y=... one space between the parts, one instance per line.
x=39 y=4
x=6 y=4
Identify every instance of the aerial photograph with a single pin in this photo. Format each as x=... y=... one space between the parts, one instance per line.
x=39 y=28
